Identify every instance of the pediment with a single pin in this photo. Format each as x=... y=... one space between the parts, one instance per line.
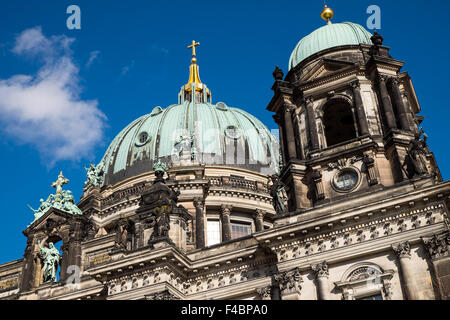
x=52 y=218
x=325 y=67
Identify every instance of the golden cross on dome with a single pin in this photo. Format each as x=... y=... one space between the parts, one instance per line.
x=193 y=45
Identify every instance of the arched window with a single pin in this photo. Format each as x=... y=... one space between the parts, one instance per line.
x=366 y=281
x=338 y=122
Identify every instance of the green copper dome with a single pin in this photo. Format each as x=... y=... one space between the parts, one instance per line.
x=329 y=36
x=208 y=133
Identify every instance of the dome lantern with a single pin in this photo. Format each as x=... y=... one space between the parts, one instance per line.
x=194 y=91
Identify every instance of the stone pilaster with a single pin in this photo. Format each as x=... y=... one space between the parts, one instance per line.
x=386 y=101
x=312 y=127
x=438 y=247
x=199 y=204
x=403 y=252
x=259 y=219
x=369 y=164
x=225 y=212
x=322 y=274
x=290 y=284
x=398 y=102
x=289 y=131
x=359 y=107
x=318 y=185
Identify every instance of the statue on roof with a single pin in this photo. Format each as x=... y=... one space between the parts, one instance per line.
x=62 y=200
x=51 y=259
x=94 y=175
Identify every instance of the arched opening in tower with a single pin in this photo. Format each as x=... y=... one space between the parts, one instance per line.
x=338 y=123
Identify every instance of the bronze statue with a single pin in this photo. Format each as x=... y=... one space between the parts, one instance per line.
x=275 y=191
x=50 y=258
x=415 y=160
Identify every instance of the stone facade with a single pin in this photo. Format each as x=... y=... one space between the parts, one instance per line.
x=366 y=217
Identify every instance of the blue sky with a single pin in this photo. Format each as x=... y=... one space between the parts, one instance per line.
x=131 y=56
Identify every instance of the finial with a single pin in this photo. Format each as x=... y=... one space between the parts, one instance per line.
x=192 y=46
x=327 y=14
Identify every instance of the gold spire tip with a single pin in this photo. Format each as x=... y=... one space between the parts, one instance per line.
x=192 y=46
x=327 y=14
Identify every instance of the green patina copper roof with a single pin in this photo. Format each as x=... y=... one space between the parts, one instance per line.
x=329 y=36
x=153 y=137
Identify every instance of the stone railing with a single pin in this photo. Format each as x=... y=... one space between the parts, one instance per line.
x=238 y=182
x=120 y=194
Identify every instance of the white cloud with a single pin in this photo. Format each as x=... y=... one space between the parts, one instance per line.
x=92 y=57
x=45 y=109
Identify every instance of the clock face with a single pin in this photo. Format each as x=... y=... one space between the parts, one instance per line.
x=346 y=180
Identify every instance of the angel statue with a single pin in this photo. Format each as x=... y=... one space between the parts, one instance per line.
x=50 y=258
x=45 y=205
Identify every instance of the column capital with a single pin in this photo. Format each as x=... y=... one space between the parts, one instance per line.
x=259 y=213
x=402 y=250
x=199 y=202
x=225 y=209
x=265 y=293
x=393 y=81
x=355 y=84
x=382 y=78
x=438 y=245
x=321 y=269
x=309 y=100
x=289 y=281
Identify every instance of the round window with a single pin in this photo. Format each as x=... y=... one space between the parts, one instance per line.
x=232 y=132
x=346 y=179
x=142 y=139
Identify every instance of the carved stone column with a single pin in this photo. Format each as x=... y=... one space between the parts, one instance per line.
x=312 y=127
x=398 y=102
x=265 y=293
x=289 y=130
x=386 y=101
x=322 y=273
x=225 y=211
x=290 y=284
x=318 y=185
x=199 y=204
x=359 y=106
x=403 y=252
x=259 y=219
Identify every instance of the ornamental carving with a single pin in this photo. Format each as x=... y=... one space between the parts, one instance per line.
x=402 y=250
x=289 y=281
x=264 y=293
x=321 y=269
x=343 y=163
x=164 y=295
x=438 y=245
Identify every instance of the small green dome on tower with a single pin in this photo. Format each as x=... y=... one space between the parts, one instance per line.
x=329 y=36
